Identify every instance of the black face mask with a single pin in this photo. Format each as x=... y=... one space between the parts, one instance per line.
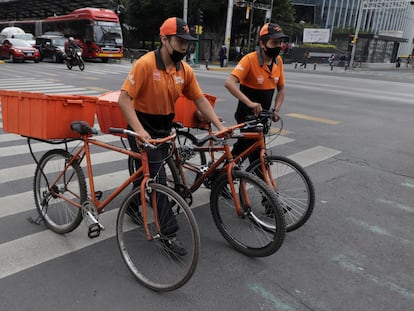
x=177 y=56
x=272 y=52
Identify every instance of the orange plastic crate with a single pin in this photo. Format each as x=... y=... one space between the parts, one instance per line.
x=108 y=112
x=185 y=110
x=45 y=116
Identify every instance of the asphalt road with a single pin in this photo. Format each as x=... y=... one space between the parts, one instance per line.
x=353 y=133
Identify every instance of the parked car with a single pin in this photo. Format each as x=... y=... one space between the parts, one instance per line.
x=51 y=48
x=18 y=50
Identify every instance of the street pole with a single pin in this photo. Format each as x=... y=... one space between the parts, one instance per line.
x=227 y=36
x=355 y=39
x=185 y=10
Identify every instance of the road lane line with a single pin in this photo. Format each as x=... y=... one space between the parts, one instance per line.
x=311 y=118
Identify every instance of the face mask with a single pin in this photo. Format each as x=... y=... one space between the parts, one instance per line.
x=176 y=56
x=272 y=52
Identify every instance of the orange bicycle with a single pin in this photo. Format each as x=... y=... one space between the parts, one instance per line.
x=293 y=187
x=245 y=210
x=62 y=201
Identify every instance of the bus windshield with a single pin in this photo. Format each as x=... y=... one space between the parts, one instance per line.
x=107 y=33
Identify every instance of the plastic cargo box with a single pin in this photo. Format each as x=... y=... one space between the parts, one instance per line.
x=185 y=112
x=108 y=112
x=45 y=116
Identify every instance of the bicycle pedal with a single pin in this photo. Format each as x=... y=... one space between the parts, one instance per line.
x=94 y=230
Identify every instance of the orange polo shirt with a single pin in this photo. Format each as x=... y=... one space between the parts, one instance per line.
x=154 y=90
x=257 y=81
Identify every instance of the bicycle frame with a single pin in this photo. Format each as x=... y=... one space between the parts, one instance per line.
x=228 y=168
x=83 y=152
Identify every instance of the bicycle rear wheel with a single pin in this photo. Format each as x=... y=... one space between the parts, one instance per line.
x=59 y=215
x=260 y=231
x=295 y=190
x=152 y=263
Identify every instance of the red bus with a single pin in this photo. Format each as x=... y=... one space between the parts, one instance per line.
x=98 y=31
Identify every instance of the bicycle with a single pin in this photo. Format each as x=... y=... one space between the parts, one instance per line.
x=62 y=201
x=236 y=200
x=294 y=188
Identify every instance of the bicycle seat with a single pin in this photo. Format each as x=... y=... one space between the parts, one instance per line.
x=82 y=128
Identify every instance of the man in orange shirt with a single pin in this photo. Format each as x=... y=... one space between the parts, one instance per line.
x=147 y=102
x=259 y=73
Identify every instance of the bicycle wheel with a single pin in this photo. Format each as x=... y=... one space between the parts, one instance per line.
x=191 y=161
x=149 y=260
x=295 y=191
x=260 y=231
x=59 y=215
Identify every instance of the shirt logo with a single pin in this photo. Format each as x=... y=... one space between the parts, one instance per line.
x=260 y=80
x=178 y=80
x=156 y=75
x=131 y=79
x=239 y=67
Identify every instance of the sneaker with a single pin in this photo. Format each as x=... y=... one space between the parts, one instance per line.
x=174 y=246
x=133 y=212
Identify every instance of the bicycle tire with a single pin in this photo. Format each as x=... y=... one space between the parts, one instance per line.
x=295 y=190
x=148 y=260
x=255 y=233
x=59 y=215
x=191 y=166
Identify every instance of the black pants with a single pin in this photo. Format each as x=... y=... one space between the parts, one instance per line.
x=166 y=218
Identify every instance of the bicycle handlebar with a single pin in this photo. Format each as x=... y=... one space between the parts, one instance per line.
x=147 y=143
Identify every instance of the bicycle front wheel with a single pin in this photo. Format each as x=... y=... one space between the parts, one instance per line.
x=294 y=188
x=57 y=213
x=150 y=260
x=260 y=230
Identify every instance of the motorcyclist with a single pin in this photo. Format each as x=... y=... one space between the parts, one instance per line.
x=71 y=47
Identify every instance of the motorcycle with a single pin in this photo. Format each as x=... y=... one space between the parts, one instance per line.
x=75 y=59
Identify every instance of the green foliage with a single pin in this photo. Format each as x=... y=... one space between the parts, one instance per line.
x=318 y=46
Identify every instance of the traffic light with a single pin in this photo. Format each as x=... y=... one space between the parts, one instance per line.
x=200 y=17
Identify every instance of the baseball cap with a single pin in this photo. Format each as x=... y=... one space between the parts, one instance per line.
x=175 y=26
x=272 y=31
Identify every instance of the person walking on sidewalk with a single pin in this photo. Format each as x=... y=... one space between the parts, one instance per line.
x=305 y=59
x=147 y=102
x=259 y=73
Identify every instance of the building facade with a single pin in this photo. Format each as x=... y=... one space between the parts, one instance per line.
x=386 y=28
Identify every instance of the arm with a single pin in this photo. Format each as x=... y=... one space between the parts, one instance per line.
x=128 y=111
x=207 y=110
x=231 y=84
x=280 y=96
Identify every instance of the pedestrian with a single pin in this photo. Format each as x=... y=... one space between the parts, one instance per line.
x=305 y=59
x=408 y=60
x=331 y=60
x=147 y=100
x=398 y=62
x=222 y=55
x=259 y=73
x=192 y=54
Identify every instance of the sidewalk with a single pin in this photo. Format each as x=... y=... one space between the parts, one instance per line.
x=214 y=66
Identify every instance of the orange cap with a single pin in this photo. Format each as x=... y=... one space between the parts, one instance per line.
x=175 y=26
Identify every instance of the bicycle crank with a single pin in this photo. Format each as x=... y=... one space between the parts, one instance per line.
x=90 y=215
